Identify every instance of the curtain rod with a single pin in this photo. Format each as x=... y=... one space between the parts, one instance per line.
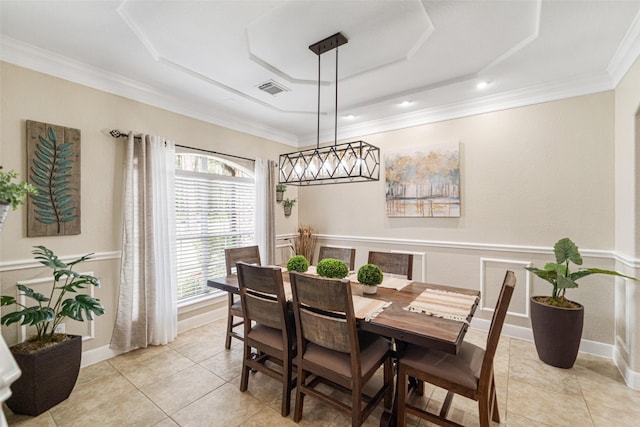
x=117 y=134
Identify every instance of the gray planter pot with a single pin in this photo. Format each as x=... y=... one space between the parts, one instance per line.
x=4 y=210
x=557 y=333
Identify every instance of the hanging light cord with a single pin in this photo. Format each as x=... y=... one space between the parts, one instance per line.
x=318 y=128
x=335 y=124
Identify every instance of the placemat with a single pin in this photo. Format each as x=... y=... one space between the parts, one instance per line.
x=445 y=304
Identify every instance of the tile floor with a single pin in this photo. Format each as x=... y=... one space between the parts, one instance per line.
x=195 y=382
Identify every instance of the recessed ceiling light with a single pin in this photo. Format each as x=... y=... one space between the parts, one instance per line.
x=482 y=85
x=349 y=117
x=405 y=103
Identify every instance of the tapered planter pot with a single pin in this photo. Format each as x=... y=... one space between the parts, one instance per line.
x=368 y=289
x=557 y=332
x=48 y=377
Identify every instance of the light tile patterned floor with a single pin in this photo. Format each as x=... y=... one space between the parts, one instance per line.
x=195 y=382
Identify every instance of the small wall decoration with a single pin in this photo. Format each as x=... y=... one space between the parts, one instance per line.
x=53 y=159
x=423 y=182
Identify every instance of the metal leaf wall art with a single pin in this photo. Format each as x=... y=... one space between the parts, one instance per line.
x=54 y=158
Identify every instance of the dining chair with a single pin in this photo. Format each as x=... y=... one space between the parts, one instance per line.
x=248 y=254
x=332 y=352
x=346 y=255
x=468 y=373
x=393 y=263
x=268 y=328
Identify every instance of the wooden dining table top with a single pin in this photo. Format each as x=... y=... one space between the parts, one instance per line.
x=395 y=321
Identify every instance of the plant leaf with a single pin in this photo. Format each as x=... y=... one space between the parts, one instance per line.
x=52 y=135
x=75 y=307
x=7 y=300
x=565 y=249
x=29 y=316
x=28 y=292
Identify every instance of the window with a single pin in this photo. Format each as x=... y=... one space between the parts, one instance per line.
x=215 y=201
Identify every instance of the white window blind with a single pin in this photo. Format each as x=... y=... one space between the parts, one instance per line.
x=213 y=212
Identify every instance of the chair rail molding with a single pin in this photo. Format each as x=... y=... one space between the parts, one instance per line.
x=23 y=264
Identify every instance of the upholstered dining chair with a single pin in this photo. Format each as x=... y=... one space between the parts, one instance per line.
x=331 y=351
x=268 y=328
x=393 y=263
x=468 y=373
x=250 y=255
x=346 y=255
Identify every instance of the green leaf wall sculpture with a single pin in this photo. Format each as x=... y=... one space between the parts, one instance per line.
x=54 y=157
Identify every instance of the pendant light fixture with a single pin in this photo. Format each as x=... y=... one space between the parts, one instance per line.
x=355 y=161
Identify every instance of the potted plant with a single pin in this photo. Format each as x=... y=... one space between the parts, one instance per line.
x=555 y=320
x=280 y=189
x=332 y=268
x=298 y=263
x=49 y=361
x=370 y=276
x=288 y=204
x=12 y=194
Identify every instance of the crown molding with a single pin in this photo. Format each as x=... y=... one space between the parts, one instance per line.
x=561 y=89
x=34 y=58
x=627 y=53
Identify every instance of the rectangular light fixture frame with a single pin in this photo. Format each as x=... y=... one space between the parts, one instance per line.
x=356 y=161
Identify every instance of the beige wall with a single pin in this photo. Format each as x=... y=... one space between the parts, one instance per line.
x=28 y=95
x=627 y=160
x=530 y=176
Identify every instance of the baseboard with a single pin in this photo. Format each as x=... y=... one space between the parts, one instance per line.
x=586 y=346
x=202 y=319
x=99 y=354
x=631 y=377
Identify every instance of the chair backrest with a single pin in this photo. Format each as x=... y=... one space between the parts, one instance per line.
x=248 y=254
x=497 y=321
x=262 y=295
x=394 y=263
x=346 y=255
x=323 y=309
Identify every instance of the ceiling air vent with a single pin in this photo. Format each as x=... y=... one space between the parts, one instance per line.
x=272 y=87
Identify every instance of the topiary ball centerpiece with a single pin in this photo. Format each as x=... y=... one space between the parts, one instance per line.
x=370 y=275
x=298 y=263
x=332 y=268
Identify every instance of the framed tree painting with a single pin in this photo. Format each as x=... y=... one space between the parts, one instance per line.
x=423 y=182
x=53 y=159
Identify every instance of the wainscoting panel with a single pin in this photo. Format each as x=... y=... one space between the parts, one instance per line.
x=73 y=327
x=492 y=271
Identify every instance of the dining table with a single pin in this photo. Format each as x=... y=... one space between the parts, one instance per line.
x=398 y=321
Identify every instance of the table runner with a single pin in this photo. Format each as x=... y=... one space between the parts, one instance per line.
x=363 y=308
x=388 y=281
x=445 y=304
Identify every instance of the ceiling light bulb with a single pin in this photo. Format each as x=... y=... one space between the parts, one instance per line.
x=405 y=103
x=349 y=117
x=482 y=85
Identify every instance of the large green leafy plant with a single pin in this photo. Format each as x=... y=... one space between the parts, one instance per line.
x=50 y=311
x=560 y=276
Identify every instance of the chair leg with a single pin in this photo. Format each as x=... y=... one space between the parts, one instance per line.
x=285 y=407
x=356 y=404
x=388 y=379
x=297 y=415
x=244 y=379
x=227 y=341
x=483 y=410
x=493 y=401
x=402 y=383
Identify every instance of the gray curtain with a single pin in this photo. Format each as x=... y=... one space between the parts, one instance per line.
x=265 y=233
x=147 y=306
